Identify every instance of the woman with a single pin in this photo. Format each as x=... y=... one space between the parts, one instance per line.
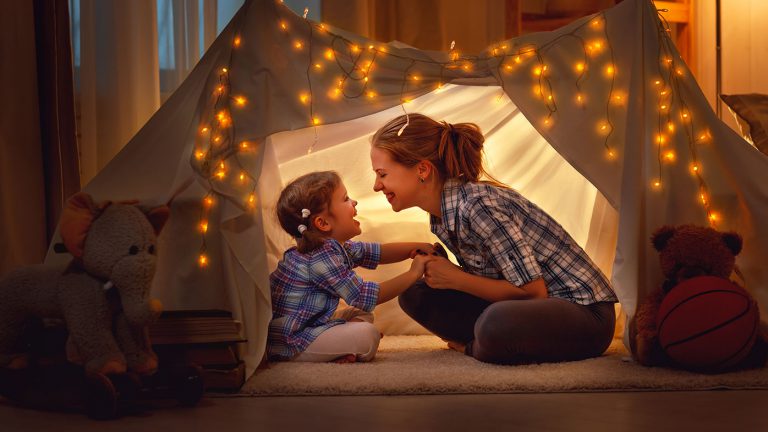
x=526 y=291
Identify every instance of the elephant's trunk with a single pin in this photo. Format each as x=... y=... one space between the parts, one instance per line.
x=132 y=276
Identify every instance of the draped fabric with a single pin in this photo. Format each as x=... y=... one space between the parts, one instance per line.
x=259 y=84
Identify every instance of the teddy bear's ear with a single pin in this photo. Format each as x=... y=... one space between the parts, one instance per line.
x=76 y=219
x=662 y=236
x=157 y=217
x=733 y=241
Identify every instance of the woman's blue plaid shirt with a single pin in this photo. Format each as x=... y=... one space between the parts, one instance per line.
x=497 y=233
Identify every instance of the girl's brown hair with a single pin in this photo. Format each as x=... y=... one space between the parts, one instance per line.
x=456 y=150
x=313 y=192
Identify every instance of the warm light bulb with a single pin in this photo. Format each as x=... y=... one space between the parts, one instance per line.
x=240 y=101
x=298 y=44
x=204 y=226
x=355 y=49
x=202 y=260
x=660 y=139
x=537 y=70
x=671 y=126
x=579 y=67
x=329 y=54
x=304 y=98
x=208 y=201
x=318 y=66
x=244 y=145
x=714 y=217
x=611 y=154
x=237 y=41
x=204 y=130
x=371 y=94
x=669 y=156
x=242 y=177
x=610 y=70
x=283 y=25
x=518 y=59
x=656 y=184
x=217 y=139
x=315 y=121
x=251 y=200
x=199 y=155
x=579 y=98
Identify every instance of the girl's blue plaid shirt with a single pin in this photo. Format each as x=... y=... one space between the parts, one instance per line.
x=306 y=289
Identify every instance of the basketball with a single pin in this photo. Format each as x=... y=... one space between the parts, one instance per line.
x=707 y=324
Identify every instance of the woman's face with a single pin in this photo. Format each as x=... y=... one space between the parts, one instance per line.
x=396 y=181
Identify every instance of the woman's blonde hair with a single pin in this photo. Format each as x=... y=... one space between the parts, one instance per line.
x=455 y=150
x=312 y=192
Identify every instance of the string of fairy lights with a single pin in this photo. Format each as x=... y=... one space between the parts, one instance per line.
x=675 y=116
x=217 y=154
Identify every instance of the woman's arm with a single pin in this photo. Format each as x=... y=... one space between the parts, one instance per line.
x=396 y=252
x=442 y=274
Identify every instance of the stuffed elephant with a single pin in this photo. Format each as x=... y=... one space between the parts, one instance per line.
x=103 y=295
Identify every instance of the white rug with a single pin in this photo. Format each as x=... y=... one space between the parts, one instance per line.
x=424 y=365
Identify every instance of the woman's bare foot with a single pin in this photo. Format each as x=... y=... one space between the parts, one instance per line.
x=349 y=358
x=456 y=346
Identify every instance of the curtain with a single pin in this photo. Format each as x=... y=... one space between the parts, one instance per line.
x=38 y=152
x=60 y=158
x=120 y=86
x=22 y=197
x=426 y=24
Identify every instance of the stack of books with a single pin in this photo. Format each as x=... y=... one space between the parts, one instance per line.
x=206 y=338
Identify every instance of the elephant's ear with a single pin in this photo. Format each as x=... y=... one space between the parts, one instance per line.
x=76 y=219
x=158 y=216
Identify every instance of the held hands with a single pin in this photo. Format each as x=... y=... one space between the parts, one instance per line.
x=419 y=264
x=440 y=273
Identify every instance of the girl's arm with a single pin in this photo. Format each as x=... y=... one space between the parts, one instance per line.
x=396 y=252
x=395 y=286
x=442 y=273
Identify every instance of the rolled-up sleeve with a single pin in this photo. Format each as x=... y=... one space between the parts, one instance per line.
x=333 y=275
x=501 y=236
x=367 y=255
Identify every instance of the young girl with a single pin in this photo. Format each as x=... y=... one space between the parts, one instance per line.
x=311 y=278
x=525 y=291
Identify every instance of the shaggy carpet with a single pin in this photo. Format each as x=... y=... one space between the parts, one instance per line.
x=424 y=365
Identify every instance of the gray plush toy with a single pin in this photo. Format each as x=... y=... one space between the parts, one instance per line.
x=103 y=295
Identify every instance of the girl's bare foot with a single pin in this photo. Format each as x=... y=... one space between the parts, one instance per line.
x=349 y=358
x=456 y=346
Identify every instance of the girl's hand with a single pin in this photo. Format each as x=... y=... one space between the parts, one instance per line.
x=418 y=265
x=441 y=273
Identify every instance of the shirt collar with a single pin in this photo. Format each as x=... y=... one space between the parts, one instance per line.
x=453 y=191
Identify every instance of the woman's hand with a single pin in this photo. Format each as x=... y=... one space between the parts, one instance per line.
x=440 y=273
x=418 y=265
x=435 y=249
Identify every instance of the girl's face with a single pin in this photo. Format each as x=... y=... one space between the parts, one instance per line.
x=340 y=215
x=399 y=183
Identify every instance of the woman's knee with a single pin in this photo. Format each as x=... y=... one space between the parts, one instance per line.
x=413 y=299
x=498 y=336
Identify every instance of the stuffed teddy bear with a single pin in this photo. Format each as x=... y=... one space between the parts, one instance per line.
x=103 y=295
x=685 y=251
